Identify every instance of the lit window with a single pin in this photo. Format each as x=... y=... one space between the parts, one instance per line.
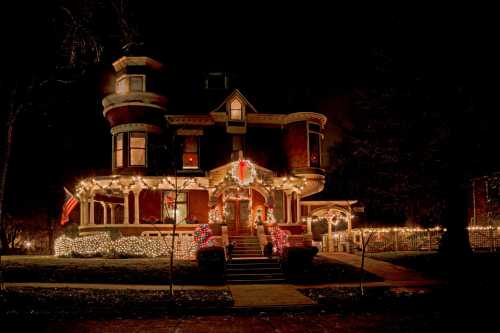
x=235 y=112
x=174 y=207
x=119 y=150
x=122 y=85
x=137 y=146
x=136 y=83
x=190 y=153
x=130 y=83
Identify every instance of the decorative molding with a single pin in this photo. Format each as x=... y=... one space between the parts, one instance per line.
x=116 y=106
x=189 y=132
x=136 y=127
x=198 y=120
x=124 y=62
x=140 y=97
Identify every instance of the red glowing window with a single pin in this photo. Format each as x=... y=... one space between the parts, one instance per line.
x=190 y=153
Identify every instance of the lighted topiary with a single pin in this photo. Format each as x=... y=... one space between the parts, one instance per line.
x=202 y=235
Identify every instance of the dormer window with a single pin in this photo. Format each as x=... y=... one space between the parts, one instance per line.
x=235 y=110
x=130 y=83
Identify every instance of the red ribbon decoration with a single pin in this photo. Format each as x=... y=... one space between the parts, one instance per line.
x=242 y=166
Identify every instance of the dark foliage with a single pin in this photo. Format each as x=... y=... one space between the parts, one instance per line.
x=211 y=260
x=298 y=259
x=348 y=300
x=71 y=230
x=96 y=303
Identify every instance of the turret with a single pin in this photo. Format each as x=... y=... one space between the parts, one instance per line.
x=135 y=113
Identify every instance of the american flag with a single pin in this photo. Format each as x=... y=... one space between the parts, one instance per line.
x=70 y=202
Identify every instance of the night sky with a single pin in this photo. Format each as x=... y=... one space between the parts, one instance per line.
x=285 y=60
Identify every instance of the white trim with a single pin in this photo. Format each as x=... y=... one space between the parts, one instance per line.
x=136 y=127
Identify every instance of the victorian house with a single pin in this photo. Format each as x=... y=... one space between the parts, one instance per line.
x=227 y=163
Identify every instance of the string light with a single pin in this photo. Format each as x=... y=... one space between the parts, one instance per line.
x=101 y=244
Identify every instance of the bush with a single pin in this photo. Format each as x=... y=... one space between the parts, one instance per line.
x=71 y=231
x=298 y=259
x=211 y=259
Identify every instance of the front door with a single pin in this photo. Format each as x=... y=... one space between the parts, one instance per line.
x=238 y=217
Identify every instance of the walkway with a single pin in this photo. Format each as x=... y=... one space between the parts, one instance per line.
x=267 y=295
x=387 y=271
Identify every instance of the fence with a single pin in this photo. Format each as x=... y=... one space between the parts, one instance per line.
x=386 y=239
x=484 y=238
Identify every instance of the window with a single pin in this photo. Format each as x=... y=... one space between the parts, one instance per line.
x=169 y=210
x=235 y=110
x=136 y=83
x=137 y=146
x=190 y=153
x=314 y=145
x=130 y=83
x=119 y=150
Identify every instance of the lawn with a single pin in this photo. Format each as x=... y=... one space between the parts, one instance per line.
x=98 y=270
x=327 y=270
x=428 y=262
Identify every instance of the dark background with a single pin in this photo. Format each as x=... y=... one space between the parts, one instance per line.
x=422 y=79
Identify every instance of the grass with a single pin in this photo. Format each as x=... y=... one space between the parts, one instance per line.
x=63 y=303
x=327 y=270
x=98 y=270
x=428 y=262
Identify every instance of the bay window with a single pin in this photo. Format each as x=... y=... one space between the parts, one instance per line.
x=137 y=145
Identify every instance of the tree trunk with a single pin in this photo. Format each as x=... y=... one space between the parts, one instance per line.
x=3 y=185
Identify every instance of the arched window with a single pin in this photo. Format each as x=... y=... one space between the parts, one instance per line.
x=235 y=110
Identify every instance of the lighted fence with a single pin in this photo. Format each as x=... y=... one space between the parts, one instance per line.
x=484 y=237
x=385 y=239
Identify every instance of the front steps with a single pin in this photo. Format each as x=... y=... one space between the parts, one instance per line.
x=248 y=265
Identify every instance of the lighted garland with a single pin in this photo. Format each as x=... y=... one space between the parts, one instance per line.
x=270 y=219
x=214 y=215
x=139 y=246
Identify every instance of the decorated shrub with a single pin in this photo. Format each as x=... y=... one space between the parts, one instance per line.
x=298 y=259
x=211 y=259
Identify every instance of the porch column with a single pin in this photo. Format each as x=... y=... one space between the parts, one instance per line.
x=92 y=220
x=112 y=213
x=125 y=208
x=309 y=227
x=105 y=212
x=136 y=206
x=298 y=209
x=83 y=211
x=288 y=208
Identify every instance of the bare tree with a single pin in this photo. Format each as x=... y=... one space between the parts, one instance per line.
x=364 y=244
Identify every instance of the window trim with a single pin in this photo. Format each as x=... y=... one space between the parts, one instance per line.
x=197 y=138
x=242 y=110
x=130 y=150
x=115 y=150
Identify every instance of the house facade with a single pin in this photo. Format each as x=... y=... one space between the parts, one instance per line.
x=228 y=163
